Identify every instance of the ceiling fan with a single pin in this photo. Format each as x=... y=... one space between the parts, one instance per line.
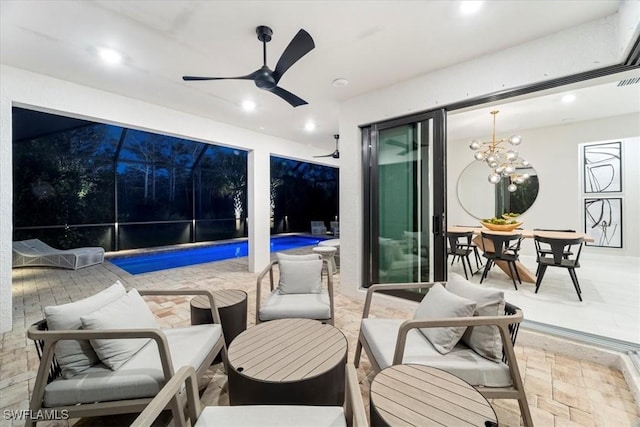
x=336 y=153
x=268 y=79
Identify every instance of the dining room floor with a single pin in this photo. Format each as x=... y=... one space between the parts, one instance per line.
x=610 y=292
x=562 y=390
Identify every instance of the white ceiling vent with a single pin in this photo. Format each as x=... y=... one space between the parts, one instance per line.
x=627 y=82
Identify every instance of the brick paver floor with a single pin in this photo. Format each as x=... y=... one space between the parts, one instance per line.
x=562 y=391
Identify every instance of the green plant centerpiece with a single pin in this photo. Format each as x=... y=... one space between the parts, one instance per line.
x=510 y=215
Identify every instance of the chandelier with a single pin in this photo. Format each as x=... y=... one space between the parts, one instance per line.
x=503 y=160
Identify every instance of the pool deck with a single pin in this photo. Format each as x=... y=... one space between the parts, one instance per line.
x=562 y=390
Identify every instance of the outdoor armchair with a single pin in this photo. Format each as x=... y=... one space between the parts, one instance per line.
x=97 y=389
x=396 y=341
x=352 y=413
x=299 y=291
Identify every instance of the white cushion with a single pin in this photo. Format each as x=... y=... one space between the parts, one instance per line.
x=293 y=257
x=272 y=416
x=300 y=277
x=308 y=306
x=76 y=356
x=484 y=340
x=141 y=376
x=461 y=361
x=437 y=304
x=127 y=312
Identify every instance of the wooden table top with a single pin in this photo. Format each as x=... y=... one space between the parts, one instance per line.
x=287 y=350
x=223 y=298
x=526 y=233
x=417 y=395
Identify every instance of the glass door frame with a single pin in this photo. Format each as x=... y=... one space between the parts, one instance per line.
x=438 y=171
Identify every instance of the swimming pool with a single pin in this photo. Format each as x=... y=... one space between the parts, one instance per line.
x=146 y=263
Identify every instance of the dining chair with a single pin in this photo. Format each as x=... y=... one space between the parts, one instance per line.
x=559 y=250
x=501 y=247
x=473 y=245
x=546 y=249
x=460 y=247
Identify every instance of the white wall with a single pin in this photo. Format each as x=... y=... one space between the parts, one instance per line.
x=25 y=89
x=554 y=153
x=586 y=47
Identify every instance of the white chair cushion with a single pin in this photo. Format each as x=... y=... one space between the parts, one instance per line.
x=300 y=277
x=437 y=304
x=484 y=340
x=272 y=416
x=293 y=257
x=76 y=356
x=141 y=376
x=308 y=306
x=461 y=361
x=128 y=312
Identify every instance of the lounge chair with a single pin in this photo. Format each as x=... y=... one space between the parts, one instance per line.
x=36 y=253
x=318 y=228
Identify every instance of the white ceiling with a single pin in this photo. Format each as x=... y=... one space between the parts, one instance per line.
x=373 y=44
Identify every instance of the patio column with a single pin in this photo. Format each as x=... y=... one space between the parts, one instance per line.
x=259 y=187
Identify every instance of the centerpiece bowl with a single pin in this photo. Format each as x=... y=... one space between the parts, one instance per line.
x=501 y=227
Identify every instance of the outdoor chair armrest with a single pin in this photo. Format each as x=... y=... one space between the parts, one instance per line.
x=501 y=322
x=185 y=375
x=387 y=287
x=267 y=269
x=187 y=291
x=353 y=404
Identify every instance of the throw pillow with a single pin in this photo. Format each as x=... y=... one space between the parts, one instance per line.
x=484 y=340
x=291 y=257
x=127 y=312
x=300 y=277
x=76 y=356
x=439 y=303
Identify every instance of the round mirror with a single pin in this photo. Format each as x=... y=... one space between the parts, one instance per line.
x=482 y=199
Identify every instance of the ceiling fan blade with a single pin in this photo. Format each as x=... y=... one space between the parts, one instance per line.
x=397 y=143
x=287 y=96
x=299 y=46
x=247 y=77
x=335 y=155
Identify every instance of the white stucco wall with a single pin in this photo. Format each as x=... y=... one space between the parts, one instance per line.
x=25 y=89
x=554 y=153
x=590 y=46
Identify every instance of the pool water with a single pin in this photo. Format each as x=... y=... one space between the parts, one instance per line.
x=146 y=263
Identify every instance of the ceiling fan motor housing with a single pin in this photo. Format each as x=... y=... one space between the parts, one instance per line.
x=264 y=33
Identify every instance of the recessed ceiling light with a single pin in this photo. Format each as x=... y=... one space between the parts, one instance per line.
x=340 y=82
x=568 y=98
x=110 y=56
x=470 y=6
x=309 y=126
x=248 y=105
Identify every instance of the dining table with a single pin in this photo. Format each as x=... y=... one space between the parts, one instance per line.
x=525 y=274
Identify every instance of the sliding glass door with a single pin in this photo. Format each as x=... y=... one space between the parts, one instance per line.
x=405 y=200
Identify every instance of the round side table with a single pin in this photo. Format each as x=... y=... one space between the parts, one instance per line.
x=327 y=253
x=420 y=395
x=232 y=307
x=288 y=362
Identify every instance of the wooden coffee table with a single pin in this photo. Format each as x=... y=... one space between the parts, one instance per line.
x=288 y=362
x=417 y=395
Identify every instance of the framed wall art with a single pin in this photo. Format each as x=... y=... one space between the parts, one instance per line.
x=602 y=167
x=603 y=221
